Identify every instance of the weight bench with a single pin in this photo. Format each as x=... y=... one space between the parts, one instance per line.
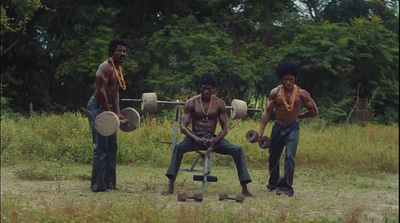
x=204 y=154
x=206 y=177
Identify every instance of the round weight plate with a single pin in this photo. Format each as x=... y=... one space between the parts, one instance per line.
x=107 y=123
x=252 y=136
x=132 y=120
x=239 y=109
x=149 y=102
x=265 y=142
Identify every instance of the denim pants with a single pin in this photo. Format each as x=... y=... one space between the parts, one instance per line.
x=283 y=136
x=105 y=152
x=223 y=146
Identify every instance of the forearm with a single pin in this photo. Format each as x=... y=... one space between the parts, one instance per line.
x=308 y=114
x=116 y=103
x=264 y=121
x=102 y=99
x=221 y=135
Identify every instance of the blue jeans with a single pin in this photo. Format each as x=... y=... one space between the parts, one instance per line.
x=105 y=152
x=223 y=146
x=283 y=136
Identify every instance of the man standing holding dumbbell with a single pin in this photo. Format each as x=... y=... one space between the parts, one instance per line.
x=106 y=98
x=285 y=99
x=203 y=112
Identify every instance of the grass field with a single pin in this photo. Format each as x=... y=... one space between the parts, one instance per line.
x=344 y=173
x=321 y=195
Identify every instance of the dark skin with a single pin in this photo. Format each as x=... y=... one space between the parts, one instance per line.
x=283 y=116
x=106 y=85
x=193 y=112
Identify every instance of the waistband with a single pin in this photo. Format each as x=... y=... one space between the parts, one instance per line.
x=202 y=134
x=293 y=124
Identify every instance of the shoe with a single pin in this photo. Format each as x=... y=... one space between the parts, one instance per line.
x=269 y=190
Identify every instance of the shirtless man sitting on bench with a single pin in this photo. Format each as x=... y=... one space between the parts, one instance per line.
x=203 y=111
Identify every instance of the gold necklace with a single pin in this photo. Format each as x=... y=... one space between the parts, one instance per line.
x=294 y=91
x=119 y=75
x=201 y=102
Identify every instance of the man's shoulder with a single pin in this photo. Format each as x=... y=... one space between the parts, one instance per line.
x=302 y=92
x=105 y=67
x=275 y=90
x=192 y=100
x=218 y=100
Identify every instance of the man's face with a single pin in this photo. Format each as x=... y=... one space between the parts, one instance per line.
x=288 y=81
x=119 y=54
x=206 y=90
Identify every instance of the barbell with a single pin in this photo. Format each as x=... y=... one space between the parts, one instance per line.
x=149 y=104
x=107 y=123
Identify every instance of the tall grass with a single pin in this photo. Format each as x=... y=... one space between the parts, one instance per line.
x=67 y=138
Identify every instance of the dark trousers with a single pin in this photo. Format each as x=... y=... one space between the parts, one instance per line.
x=223 y=146
x=105 y=152
x=283 y=136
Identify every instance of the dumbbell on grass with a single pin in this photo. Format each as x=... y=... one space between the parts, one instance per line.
x=198 y=197
x=224 y=196
x=252 y=136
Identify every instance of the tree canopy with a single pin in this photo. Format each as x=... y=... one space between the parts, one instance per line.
x=51 y=50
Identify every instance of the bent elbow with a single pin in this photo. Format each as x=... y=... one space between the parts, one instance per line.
x=315 y=113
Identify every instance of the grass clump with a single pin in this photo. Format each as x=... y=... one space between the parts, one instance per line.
x=66 y=138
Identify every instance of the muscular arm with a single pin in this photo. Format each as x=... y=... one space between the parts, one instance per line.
x=269 y=108
x=223 y=120
x=102 y=77
x=187 y=116
x=309 y=103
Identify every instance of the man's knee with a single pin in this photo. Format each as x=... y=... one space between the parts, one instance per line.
x=237 y=149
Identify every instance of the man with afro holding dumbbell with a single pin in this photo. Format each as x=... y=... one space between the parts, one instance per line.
x=286 y=99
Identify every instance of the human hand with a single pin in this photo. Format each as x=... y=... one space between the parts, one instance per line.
x=121 y=117
x=260 y=135
x=208 y=140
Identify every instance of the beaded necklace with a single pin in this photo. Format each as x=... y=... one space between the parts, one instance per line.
x=119 y=75
x=294 y=91
x=206 y=114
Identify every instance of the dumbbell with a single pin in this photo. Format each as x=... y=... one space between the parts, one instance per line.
x=224 y=196
x=252 y=136
x=107 y=123
x=149 y=104
x=183 y=196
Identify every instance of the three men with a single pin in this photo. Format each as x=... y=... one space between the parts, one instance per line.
x=203 y=112
x=106 y=98
x=285 y=99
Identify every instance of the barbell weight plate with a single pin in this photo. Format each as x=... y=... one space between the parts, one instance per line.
x=107 y=123
x=132 y=120
x=265 y=142
x=239 y=109
x=252 y=136
x=149 y=102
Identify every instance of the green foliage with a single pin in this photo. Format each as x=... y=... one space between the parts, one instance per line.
x=24 y=9
x=67 y=139
x=52 y=49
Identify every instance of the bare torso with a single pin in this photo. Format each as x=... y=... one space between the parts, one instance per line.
x=282 y=115
x=201 y=123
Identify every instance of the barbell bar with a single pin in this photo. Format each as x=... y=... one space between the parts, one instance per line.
x=149 y=104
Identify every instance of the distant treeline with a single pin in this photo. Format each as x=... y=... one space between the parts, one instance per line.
x=346 y=50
